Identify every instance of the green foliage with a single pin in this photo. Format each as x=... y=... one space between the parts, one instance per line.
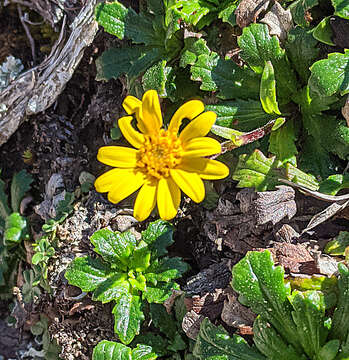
x=50 y=349
x=13 y=230
x=298 y=10
x=155 y=34
x=131 y=272
x=290 y=324
x=109 y=350
x=338 y=246
x=30 y=290
x=341 y=8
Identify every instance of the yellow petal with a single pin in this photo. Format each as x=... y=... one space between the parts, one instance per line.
x=168 y=198
x=150 y=117
x=134 y=137
x=131 y=104
x=190 y=183
x=201 y=146
x=146 y=201
x=189 y=110
x=104 y=182
x=199 y=126
x=117 y=156
x=120 y=183
x=205 y=168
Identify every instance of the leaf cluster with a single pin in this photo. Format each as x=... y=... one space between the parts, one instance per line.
x=290 y=324
x=130 y=273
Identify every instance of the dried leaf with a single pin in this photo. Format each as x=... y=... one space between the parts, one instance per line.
x=248 y=11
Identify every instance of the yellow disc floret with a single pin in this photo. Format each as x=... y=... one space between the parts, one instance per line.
x=159 y=154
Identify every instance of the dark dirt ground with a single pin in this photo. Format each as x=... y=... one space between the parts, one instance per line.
x=65 y=139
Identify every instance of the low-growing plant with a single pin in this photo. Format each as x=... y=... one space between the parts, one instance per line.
x=294 y=320
x=165 y=334
x=130 y=273
x=110 y=350
x=13 y=230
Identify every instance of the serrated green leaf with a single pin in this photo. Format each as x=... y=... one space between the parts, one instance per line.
x=302 y=51
x=158 y=235
x=159 y=77
x=271 y=344
x=257 y=47
x=267 y=92
x=261 y=286
x=298 y=10
x=117 y=61
x=139 y=282
x=4 y=209
x=340 y=318
x=338 y=245
x=128 y=317
x=114 y=247
x=214 y=343
x=300 y=177
x=323 y=32
x=193 y=47
x=282 y=144
x=112 y=288
x=16 y=229
x=19 y=186
x=140 y=259
x=163 y=320
x=143 y=352
x=228 y=13
x=167 y=269
x=255 y=170
x=243 y=115
x=159 y=293
x=112 y=17
x=156 y=342
x=341 y=8
x=309 y=315
x=225 y=77
x=334 y=183
x=87 y=273
x=330 y=76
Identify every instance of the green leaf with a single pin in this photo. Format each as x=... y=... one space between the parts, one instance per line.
x=177 y=344
x=112 y=288
x=166 y=269
x=334 y=183
x=267 y=92
x=114 y=247
x=243 y=115
x=300 y=177
x=16 y=229
x=302 y=51
x=4 y=209
x=341 y=8
x=19 y=186
x=159 y=236
x=329 y=350
x=159 y=293
x=112 y=17
x=163 y=320
x=255 y=170
x=338 y=245
x=159 y=78
x=110 y=350
x=156 y=342
x=309 y=316
x=37 y=258
x=323 y=32
x=87 y=273
x=282 y=144
x=140 y=259
x=340 y=318
x=257 y=47
x=330 y=76
x=271 y=344
x=228 y=14
x=298 y=10
x=30 y=290
x=128 y=317
x=225 y=77
x=261 y=286
x=214 y=343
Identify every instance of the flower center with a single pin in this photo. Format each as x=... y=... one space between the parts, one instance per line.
x=159 y=154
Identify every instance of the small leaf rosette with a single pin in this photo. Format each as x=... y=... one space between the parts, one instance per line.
x=164 y=162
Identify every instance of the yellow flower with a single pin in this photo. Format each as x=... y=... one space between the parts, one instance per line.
x=163 y=161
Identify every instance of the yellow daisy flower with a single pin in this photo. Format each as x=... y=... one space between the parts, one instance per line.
x=163 y=161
